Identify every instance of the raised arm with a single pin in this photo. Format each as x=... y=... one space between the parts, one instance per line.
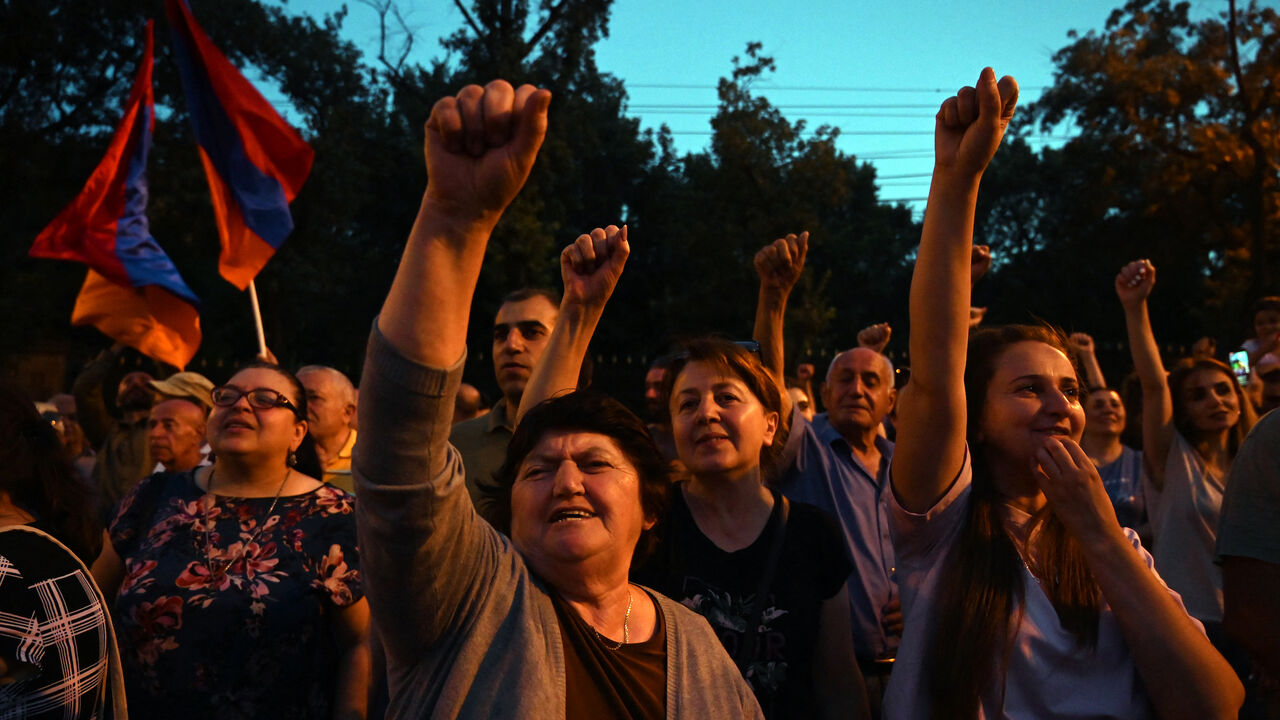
x=590 y=268
x=425 y=555
x=1133 y=286
x=1082 y=343
x=480 y=147
x=779 y=265
x=931 y=409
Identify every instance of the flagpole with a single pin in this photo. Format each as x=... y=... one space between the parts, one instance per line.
x=257 y=319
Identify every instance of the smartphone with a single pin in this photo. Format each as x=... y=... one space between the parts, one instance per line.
x=1240 y=366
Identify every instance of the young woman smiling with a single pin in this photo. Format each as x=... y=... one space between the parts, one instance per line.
x=1193 y=422
x=1022 y=595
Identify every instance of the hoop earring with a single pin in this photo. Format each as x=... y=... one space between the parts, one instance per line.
x=292 y=459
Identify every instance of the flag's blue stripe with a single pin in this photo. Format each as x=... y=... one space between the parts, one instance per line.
x=142 y=257
x=260 y=197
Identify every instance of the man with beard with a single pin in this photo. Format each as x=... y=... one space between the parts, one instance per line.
x=123 y=456
x=520 y=331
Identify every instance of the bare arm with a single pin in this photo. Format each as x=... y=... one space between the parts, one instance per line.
x=351 y=698
x=421 y=543
x=931 y=409
x=779 y=265
x=838 y=683
x=1082 y=343
x=1184 y=675
x=590 y=268
x=1133 y=287
x=108 y=569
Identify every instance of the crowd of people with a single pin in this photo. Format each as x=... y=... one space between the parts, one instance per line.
x=1003 y=534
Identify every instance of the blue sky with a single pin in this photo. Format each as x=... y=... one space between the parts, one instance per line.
x=883 y=66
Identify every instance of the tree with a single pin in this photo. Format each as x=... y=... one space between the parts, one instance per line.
x=1175 y=159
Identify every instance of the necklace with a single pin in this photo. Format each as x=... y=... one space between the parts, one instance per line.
x=219 y=569
x=626 y=631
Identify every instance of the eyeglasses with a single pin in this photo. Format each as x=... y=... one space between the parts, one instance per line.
x=259 y=398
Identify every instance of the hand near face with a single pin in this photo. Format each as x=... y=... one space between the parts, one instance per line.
x=1135 y=281
x=592 y=265
x=875 y=337
x=780 y=263
x=1071 y=484
x=480 y=146
x=971 y=124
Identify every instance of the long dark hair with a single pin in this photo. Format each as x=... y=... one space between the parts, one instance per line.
x=1179 y=376
x=981 y=588
x=40 y=478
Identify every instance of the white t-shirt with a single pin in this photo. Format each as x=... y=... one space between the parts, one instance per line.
x=1187 y=530
x=1047 y=675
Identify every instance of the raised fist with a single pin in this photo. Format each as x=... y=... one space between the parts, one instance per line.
x=971 y=124
x=875 y=337
x=1135 y=281
x=480 y=146
x=979 y=263
x=1082 y=343
x=592 y=264
x=804 y=372
x=780 y=263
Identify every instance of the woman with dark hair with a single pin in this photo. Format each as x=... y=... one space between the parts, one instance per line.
x=1022 y=594
x=769 y=575
x=54 y=625
x=1193 y=422
x=239 y=590
x=545 y=624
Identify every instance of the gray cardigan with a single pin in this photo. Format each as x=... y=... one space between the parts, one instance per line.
x=468 y=630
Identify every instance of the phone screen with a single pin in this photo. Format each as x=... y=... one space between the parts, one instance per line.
x=1240 y=366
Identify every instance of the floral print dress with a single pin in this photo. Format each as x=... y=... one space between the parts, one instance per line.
x=233 y=618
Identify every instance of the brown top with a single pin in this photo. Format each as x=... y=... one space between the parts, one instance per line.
x=630 y=682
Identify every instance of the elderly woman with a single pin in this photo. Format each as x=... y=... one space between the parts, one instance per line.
x=546 y=624
x=239 y=590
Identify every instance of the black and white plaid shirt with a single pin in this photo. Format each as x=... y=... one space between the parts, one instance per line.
x=50 y=619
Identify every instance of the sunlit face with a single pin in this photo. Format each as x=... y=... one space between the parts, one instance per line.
x=175 y=434
x=1104 y=413
x=268 y=435
x=720 y=427
x=520 y=332
x=802 y=402
x=1033 y=395
x=858 y=392
x=1209 y=401
x=576 y=499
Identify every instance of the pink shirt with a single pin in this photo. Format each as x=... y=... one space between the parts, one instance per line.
x=1047 y=675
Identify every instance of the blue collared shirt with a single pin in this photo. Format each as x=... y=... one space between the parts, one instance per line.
x=818 y=467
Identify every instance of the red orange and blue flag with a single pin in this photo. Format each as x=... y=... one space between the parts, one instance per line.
x=133 y=293
x=254 y=161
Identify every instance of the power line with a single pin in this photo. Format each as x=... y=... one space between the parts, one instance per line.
x=789 y=106
x=815 y=88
